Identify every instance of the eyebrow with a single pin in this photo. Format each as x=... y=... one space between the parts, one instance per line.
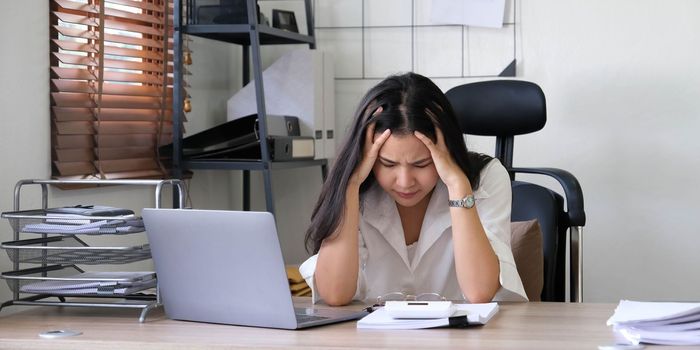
x=420 y=161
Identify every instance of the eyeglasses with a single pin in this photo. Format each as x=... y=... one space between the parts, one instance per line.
x=401 y=296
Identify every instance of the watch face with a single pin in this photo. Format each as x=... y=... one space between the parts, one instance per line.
x=469 y=201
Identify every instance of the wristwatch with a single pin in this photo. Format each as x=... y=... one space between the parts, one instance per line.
x=466 y=202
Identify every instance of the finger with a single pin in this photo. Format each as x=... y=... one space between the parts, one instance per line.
x=440 y=138
x=379 y=142
x=369 y=136
x=426 y=141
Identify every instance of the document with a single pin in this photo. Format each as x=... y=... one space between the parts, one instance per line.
x=102 y=283
x=665 y=323
x=480 y=13
x=465 y=315
x=90 y=210
x=70 y=226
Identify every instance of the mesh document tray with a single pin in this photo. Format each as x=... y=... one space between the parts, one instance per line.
x=40 y=221
x=71 y=250
x=17 y=280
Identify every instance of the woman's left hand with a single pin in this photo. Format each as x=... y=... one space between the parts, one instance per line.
x=449 y=171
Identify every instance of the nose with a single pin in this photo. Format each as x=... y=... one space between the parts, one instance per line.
x=404 y=178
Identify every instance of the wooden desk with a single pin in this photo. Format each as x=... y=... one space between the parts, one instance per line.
x=515 y=326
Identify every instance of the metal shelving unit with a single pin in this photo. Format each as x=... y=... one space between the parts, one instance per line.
x=56 y=255
x=251 y=37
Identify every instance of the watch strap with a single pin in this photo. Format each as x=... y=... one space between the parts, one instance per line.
x=466 y=202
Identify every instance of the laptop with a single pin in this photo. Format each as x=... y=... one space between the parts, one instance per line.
x=227 y=267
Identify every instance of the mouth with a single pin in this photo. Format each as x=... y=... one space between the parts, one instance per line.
x=406 y=195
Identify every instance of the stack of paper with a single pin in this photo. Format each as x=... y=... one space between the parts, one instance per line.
x=101 y=283
x=475 y=314
x=664 y=323
x=72 y=226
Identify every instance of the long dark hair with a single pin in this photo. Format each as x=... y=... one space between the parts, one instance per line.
x=410 y=102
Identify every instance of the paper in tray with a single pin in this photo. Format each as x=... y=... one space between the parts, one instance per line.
x=90 y=210
x=101 y=283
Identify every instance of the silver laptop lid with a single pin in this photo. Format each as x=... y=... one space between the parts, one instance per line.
x=220 y=266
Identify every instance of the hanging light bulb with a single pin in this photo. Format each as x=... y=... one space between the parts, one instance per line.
x=187 y=106
x=187 y=58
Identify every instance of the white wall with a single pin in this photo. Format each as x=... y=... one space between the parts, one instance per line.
x=622 y=87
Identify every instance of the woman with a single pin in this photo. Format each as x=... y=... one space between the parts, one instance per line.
x=407 y=209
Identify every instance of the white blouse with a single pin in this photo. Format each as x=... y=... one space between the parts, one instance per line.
x=384 y=263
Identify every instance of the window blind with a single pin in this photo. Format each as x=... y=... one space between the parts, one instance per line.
x=111 y=88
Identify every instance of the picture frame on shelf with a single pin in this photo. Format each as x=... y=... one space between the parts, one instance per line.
x=285 y=20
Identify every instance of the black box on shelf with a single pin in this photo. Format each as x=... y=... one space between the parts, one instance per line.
x=221 y=12
x=240 y=137
x=281 y=148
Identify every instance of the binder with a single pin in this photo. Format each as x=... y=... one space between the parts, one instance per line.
x=228 y=136
x=282 y=148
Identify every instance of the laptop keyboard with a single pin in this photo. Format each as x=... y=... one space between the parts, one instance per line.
x=303 y=317
x=309 y=318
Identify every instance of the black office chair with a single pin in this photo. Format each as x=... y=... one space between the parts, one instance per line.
x=505 y=108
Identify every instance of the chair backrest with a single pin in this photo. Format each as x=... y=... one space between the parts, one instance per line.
x=500 y=108
x=505 y=108
x=532 y=201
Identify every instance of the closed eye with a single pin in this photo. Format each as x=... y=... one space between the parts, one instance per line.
x=423 y=163
x=385 y=162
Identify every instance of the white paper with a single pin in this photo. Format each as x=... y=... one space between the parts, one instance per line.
x=638 y=311
x=477 y=314
x=106 y=283
x=479 y=13
x=95 y=227
x=666 y=323
x=300 y=84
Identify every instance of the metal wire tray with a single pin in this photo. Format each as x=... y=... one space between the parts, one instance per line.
x=71 y=250
x=17 y=279
x=39 y=221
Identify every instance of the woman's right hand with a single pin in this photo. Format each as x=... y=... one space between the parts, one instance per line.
x=370 y=151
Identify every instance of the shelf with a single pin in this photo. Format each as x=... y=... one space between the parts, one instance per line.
x=240 y=34
x=251 y=36
x=250 y=165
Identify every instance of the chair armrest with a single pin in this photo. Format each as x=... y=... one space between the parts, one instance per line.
x=572 y=191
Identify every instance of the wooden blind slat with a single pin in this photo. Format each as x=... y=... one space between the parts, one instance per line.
x=66 y=114
x=92 y=35
x=140 y=4
x=144 y=140
x=75 y=155
x=87 y=8
x=84 y=74
x=115 y=64
x=74 y=168
x=110 y=128
x=64 y=85
x=116 y=25
x=72 y=141
x=113 y=153
x=66 y=99
x=108 y=141
x=109 y=50
x=120 y=165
